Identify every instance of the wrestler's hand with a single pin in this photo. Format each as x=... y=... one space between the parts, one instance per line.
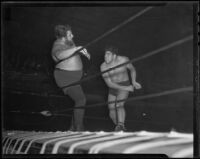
x=85 y=53
x=129 y=88
x=137 y=85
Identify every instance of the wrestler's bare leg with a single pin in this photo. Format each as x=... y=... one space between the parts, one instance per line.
x=112 y=110
x=122 y=95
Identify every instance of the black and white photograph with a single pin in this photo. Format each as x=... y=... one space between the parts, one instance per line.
x=106 y=78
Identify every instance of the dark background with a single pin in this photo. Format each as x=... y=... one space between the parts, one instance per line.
x=28 y=34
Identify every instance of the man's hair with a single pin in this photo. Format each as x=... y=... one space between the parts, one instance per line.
x=112 y=49
x=61 y=30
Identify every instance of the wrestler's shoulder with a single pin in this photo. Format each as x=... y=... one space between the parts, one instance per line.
x=124 y=58
x=103 y=65
x=58 y=42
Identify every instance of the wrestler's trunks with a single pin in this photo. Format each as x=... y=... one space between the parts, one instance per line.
x=116 y=91
x=65 y=77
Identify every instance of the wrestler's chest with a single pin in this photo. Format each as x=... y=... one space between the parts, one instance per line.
x=117 y=71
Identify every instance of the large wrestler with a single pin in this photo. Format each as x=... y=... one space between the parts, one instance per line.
x=69 y=70
x=119 y=84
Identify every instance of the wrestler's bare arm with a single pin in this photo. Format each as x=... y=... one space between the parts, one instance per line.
x=111 y=84
x=132 y=71
x=133 y=75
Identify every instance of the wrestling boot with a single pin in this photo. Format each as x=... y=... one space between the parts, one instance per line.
x=120 y=127
x=78 y=120
x=76 y=127
x=79 y=128
x=72 y=127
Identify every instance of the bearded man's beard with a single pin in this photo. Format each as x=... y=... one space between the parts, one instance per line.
x=70 y=43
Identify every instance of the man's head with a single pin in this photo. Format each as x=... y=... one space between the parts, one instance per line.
x=110 y=54
x=63 y=31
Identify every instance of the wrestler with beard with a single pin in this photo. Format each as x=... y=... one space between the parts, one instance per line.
x=69 y=70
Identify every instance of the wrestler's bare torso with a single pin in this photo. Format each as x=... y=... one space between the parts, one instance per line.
x=72 y=64
x=118 y=74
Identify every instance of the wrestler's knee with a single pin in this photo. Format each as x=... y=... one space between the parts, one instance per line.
x=120 y=105
x=111 y=106
x=64 y=91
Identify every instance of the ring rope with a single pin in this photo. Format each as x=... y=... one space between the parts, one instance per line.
x=135 y=60
x=111 y=30
x=100 y=118
x=159 y=50
x=33 y=113
x=167 y=92
x=86 y=117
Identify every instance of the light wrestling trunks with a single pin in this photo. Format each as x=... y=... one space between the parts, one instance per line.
x=114 y=91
